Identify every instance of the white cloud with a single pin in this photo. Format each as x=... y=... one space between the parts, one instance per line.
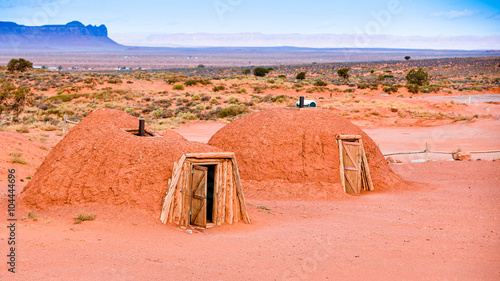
x=455 y=14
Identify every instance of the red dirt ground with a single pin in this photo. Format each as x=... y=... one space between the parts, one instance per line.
x=434 y=232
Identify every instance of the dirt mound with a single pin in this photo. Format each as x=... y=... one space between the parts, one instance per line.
x=98 y=161
x=293 y=153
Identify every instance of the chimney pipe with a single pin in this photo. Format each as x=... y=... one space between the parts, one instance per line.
x=301 y=102
x=141 y=127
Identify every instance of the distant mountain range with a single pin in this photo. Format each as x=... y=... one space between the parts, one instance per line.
x=72 y=36
x=311 y=41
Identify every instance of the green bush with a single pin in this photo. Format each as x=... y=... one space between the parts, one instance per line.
x=179 y=87
x=232 y=110
x=260 y=71
x=419 y=77
x=20 y=65
x=301 y=76
x=191 y=82
x=343 y=73
x=412 y=88
x=320 y=83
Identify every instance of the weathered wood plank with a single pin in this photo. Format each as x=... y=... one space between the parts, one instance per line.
x=216 y=155
x=171 y=189
x=341 y=166
x=348 y=137
x=367 y=168
x=239 y=189
x=229 y=193
x=221 y=180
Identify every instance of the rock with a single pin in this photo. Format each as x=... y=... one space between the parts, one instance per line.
x=462 y=156
x=394 y=109
x=189 y=231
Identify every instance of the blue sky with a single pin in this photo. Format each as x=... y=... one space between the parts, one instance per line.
x=388 y=17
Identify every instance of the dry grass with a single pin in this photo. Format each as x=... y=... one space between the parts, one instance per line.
x=17 y=158
x=81 y=217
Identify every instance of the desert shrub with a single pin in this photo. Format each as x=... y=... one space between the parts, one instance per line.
x=14 y=99
x=48 y=127
x=281 y=76
x=391 y=89
x=205 y=98
x=301 y=76
x=22 y=129
x=320 y=83
x=214 y=101
x=115 y=80
x=260 y=71
x=191 y=82
x=232 y=110
x=232 y=99
x=132 y=111
x=343 y=73
x=17 y=158
x=363 y=86
x=412 y=88
x=219 y=88
x=195 y=97
x=187 y=116
x=178 y=87
x=418 y=77
x=430 y=89
x=20 y=65
x=81 y=217
x=173 y=79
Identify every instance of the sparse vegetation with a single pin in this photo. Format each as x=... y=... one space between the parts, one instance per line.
x=81 y=217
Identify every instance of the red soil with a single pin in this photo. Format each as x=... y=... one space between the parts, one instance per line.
x=292 y=153
x=447 y=229
x=99 y=162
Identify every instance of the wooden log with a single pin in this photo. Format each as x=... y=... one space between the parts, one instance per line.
x=236 y=204
x=224 y=192
x=239 y=189
x=348 y=137
x=220 y=192
x=215 y=155
x=366 y=169
x=185 y=187
x=179 y=198
x=229 y=193
x=341 y=166
x=171 y=189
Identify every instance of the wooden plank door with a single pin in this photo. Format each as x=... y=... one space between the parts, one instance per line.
x=351 y=157
x=198 y=214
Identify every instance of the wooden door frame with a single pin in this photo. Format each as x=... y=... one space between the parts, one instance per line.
x=203 y=200
x=201 y=162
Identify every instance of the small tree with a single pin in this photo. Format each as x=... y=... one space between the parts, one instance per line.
x=246 y=71
x=260 y=71
x=407 y=58
x=20 y=65
x=344 y=73
x=418 y=77
x=12 y=99
x=301 y=76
